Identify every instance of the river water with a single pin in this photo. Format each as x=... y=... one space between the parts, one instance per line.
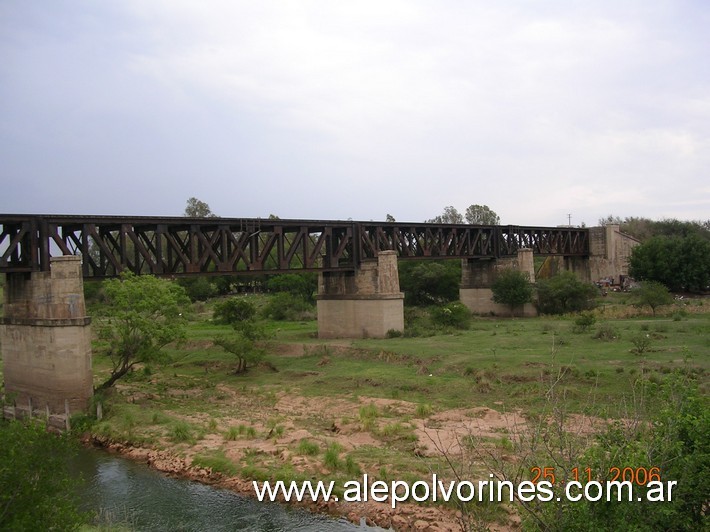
x=132 y=496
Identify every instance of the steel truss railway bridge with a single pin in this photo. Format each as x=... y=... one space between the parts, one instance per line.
x=180 y=246
x=45 y=332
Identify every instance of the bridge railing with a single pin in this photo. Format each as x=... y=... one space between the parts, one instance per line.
x=179 y=246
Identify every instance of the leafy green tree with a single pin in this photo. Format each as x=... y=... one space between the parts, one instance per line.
x=512 y=288
x=243 y=348
x=35 y=483
x=565 y=293
x=481 y=215
x=198 y=209
x=653 y=294
x=680 y=263
x=449 y=216
x=657 y=259
x=142 y=315
x=234 y=310
x=430 y=282
x=241 y=315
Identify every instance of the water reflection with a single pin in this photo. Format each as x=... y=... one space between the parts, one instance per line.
x=128 y=494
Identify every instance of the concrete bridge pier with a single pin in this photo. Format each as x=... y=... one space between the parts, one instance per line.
x=362 y=304
x=46 y=339
x=477 y=276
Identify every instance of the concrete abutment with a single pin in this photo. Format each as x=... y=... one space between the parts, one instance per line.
x=46 y=339
x=365 y=303
x=477 y=276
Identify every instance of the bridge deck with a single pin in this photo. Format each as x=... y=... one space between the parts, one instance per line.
x=180 y=246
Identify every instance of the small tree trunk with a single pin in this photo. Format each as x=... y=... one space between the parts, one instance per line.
x=113 y=378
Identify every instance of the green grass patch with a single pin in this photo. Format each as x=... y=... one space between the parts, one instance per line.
x=307 y=448
x=217 y=461
x=181 y=432
x=331 y=457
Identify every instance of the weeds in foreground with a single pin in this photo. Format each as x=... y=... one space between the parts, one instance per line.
x=665 y=429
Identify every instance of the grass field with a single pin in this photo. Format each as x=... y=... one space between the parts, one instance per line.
x=507 y=363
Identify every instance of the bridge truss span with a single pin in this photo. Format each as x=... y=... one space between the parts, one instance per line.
x=175 y=246
x=179 y=246
x=469 y=241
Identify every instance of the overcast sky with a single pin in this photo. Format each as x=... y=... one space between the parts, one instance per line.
x=334 y=110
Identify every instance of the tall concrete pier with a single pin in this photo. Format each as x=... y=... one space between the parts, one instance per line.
x=477 y=276
x=46 y=338
x=609 y=252
x=362 y=304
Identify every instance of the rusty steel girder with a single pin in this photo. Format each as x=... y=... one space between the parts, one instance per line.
x=469 y=241
x=181 y=246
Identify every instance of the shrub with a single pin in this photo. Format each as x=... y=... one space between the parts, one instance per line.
x=584 y=322
x=606 y=332
x=641 y=342
x=565 y=293
x=285 y=306
x=512 y=288
x=454 y=315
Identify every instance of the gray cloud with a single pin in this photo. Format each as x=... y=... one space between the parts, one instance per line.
x=332 y=110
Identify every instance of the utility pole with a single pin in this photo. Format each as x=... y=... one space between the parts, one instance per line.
x=569 y=220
